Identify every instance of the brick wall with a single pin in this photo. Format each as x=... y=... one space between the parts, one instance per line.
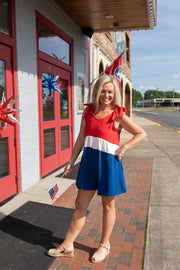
x=106 y=42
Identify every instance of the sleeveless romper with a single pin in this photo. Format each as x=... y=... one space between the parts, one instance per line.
x=99 y=168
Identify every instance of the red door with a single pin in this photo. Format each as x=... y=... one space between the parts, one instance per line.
x=8 y=184
x=55 y=119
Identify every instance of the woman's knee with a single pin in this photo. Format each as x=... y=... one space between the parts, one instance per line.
x=108 y=204
x=83 y=200
x=80 y=206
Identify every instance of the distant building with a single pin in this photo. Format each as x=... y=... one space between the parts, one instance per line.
x=159 y=102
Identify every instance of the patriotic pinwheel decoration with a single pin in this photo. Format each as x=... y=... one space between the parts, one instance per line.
x=49 y=84
x=6 y=111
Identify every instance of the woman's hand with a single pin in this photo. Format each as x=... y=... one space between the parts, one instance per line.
x=119 y=152
x=68 y=168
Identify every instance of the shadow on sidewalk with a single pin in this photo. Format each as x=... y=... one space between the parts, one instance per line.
x=28 y=232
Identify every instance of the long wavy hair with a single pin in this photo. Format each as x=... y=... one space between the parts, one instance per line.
x=98 y=87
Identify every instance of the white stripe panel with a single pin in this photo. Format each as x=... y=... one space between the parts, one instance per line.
x=100 y=144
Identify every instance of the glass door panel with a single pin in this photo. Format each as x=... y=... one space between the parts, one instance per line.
x=4 y=160
x=48 y=102
x=49 y=142
x=64 y=105
x=64 y=138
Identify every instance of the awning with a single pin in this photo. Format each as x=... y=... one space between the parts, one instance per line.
x=111 y=15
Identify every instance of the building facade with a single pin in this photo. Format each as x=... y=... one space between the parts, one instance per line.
x=106 y=47
x=39 y=41
x=45 y=60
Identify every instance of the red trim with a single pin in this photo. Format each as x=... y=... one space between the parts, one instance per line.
x=89 y=95
x=53 y=61
x=17 y=149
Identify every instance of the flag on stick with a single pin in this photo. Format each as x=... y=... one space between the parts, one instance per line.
x=53 y=191
x=115 y=68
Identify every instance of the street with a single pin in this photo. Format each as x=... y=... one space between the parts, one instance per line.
x=168 y=118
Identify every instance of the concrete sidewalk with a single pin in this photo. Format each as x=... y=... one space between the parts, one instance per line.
x=163 y=234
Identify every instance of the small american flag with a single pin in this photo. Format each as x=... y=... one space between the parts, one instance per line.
x=53 y=191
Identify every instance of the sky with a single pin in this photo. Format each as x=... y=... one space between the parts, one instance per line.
x=155 y=54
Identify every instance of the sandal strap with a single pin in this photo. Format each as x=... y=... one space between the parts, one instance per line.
x=67 y=249
x=105 y=246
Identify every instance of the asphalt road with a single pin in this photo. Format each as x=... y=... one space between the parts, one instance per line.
x=169 y=118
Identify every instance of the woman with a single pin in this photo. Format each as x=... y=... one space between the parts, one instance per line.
x=101 y=165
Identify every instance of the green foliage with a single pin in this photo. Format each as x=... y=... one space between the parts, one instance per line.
x=136 y=96
x=150 y=94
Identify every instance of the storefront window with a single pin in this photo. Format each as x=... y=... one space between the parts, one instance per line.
x=4 y=16
x=53 y=45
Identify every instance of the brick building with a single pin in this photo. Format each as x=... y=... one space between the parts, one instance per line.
x=105 y=49
x=39 y=38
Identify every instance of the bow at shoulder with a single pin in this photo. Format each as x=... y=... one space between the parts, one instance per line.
x=118 y=112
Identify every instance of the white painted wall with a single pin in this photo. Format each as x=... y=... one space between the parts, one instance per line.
x=27 y=77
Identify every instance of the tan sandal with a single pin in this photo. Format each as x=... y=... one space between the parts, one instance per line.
x=67 y=252
x=100 y=257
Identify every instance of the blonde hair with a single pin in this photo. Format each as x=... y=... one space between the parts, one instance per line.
x=103 y=79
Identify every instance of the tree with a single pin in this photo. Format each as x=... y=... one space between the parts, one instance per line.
x=136 y=96
x=151 y=94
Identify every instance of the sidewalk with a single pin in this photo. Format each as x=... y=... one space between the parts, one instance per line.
x=127 y=239
x=152 y=172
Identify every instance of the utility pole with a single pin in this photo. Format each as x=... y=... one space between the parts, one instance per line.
x=157 y=96
x=173 y=97
x=143 y=98
x=157 y=92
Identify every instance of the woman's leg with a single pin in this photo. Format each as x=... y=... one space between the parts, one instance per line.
x=78 y=219
x=109 y=216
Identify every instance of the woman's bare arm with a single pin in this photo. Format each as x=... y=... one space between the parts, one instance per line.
x=79 y=144
x=138 y=135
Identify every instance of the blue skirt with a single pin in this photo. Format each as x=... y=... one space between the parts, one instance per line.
x=102 y=172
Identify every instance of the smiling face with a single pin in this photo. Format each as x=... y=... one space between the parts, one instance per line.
x=107 y=94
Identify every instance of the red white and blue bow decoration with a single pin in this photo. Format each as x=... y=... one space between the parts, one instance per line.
x=49 y=84
x=6 y=111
